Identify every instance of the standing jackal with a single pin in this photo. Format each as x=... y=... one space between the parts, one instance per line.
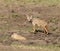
x=38 y=22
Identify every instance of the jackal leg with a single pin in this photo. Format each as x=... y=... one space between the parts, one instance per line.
x=33 y=28
x=45 y=29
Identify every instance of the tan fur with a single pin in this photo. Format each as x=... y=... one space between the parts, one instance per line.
x=38 y=22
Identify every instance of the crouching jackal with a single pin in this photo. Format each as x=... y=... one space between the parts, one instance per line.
x=38 y=22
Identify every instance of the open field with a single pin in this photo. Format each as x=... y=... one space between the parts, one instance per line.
x=13 y=20
x=27 y=48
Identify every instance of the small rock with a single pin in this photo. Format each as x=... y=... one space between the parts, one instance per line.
x=15 y=36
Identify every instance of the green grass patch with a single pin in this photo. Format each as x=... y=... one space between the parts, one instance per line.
x=3 y=37
x=52 y=47
x=42 y=2
x=27 y=28
x=53 y=28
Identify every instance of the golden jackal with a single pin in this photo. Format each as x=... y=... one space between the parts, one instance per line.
x=38 y=22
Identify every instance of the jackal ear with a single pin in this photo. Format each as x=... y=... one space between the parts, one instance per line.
x=31 y=17
x=27 y=16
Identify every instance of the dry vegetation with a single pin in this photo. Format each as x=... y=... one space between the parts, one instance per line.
x=13 y=20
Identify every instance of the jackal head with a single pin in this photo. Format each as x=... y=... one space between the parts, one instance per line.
x=29 y=18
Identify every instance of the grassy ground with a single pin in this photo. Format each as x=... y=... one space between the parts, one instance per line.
x=41 y=2
x=53 y=47
x=13 y=19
